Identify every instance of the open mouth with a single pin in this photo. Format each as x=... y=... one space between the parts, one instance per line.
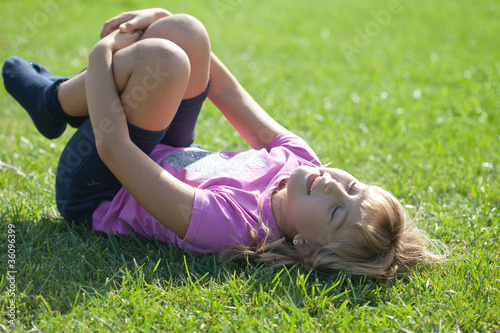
x=311 y=180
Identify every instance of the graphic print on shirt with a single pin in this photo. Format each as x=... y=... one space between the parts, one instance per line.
x=212 y=165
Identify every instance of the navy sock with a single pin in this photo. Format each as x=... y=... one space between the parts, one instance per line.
x=54 y=100
x=35 y=88
x=43 y=71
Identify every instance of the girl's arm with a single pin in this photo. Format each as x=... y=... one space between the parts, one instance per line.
x=253 y=123
x=166 y=198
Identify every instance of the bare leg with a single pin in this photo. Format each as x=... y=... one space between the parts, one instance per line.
x=151 y=76
x=183 y=30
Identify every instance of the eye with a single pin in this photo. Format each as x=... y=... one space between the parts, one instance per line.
x=334 y=211
x=351 y=187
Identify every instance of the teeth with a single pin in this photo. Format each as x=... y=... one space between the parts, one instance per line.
x=312 y=184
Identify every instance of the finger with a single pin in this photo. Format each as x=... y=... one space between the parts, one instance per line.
x=107 y=29
x=133 y=35
x=128 y=26
x=113 y=24
x=137 y=34
x=104 y=32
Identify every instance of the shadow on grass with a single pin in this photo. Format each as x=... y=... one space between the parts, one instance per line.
x=57 y=262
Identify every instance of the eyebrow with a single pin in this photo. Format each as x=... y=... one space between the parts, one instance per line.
x=362 y=192
x=365 y=189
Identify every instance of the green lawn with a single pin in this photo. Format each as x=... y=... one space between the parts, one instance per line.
x=404 y=94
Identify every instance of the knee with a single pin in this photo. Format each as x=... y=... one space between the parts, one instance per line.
x=191 y=28
x=159 y=57
x=185 y=30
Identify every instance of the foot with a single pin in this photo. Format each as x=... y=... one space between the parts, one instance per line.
x=72 y=121
x=32 y=86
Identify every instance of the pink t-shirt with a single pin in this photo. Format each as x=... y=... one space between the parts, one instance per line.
x=232 y=193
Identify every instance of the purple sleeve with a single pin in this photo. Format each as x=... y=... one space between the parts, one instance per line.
x=296 y=146
x=216 y=223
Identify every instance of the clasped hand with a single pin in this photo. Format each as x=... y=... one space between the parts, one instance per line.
x=138 y=20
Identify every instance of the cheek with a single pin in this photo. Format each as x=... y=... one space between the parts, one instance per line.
x=295 y=179
x=308 y=215
x=298 y=212
x=300 y=215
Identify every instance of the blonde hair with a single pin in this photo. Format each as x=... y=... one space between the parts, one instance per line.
x=384 y=241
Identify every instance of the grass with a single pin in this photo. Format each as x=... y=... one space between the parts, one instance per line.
x=406 y=97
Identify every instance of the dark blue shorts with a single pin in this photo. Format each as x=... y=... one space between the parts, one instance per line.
x=83 y=181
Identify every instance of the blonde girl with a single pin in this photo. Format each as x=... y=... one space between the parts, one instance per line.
x=132 y=166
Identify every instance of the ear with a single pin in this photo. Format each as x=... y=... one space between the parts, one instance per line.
x=305 y=249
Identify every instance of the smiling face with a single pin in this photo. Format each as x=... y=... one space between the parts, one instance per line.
x=322 y=203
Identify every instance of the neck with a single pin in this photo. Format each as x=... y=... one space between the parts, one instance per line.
x=278 y=206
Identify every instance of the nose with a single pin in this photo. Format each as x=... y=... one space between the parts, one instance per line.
x=333 y=187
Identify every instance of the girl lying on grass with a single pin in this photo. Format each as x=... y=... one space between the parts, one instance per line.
x=131 y=165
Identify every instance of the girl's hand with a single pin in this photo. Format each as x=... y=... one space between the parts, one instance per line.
x=135 y=20
x=117 y=40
